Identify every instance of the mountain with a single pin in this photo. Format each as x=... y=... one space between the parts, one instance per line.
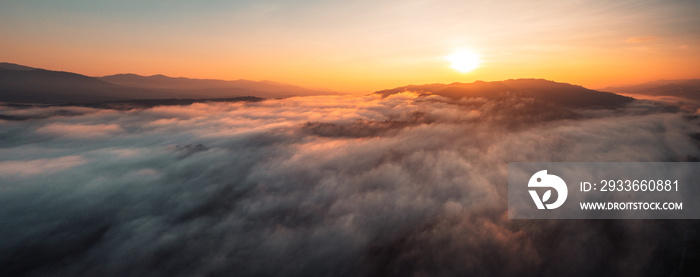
x=23 y=84
x=211 y=88
x=11 y=66
x=559 y=94
x=687 y=89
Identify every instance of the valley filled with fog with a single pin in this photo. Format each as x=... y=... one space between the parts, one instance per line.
x=386 y=184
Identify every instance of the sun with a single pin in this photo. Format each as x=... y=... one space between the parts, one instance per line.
x=463 y=60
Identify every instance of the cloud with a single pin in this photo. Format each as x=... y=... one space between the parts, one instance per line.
x=80 y=130
x=641 y=39
x=40 y=166
x=20 y=112
x=323 y=185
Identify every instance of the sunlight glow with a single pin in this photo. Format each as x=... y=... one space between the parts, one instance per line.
x=463 y=61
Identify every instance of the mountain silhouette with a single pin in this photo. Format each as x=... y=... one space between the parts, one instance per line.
x=559 y=94
x=211 y=88
x=23 y=84
x=687 y=89
x=20 y=83
x=11 y=66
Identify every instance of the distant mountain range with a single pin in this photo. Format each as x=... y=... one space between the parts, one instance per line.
x=25 y=84
x=559 y=94
x=210 y=88
x=687 y=89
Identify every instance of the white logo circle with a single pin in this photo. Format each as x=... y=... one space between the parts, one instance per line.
x=543 y=180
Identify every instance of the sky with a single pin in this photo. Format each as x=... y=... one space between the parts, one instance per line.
x=358 y=46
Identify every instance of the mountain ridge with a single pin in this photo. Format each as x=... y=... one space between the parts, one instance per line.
x=212 y=87
x=687 y=89
x=19 y=83
x=564 y=94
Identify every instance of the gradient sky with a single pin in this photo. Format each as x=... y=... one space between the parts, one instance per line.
x=358 y=46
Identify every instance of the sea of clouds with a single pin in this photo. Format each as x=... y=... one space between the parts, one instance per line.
x=323 y=186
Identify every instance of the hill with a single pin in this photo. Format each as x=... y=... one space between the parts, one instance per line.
x=687 y=89
x=559 y=94
x=23 y=84
x=211 y=88
x=11 y=66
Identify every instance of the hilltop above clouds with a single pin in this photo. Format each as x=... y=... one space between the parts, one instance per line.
x=560 y=94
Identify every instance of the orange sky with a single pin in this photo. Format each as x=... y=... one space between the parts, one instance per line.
x=358 y=46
